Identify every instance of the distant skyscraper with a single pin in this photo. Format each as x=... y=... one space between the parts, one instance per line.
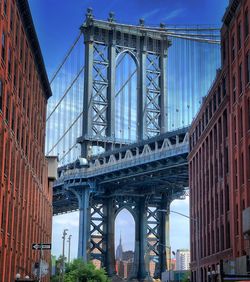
x=119 y=250
x=182 y=259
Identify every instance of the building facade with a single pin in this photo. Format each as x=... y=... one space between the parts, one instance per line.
x=25 y=195
x=182 y=259
x=219 y=159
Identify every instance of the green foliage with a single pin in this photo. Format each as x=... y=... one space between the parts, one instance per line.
x=186 y=277
x=78 y=271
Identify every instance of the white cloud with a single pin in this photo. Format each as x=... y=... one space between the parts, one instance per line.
x=173 y=14
x=150 y=14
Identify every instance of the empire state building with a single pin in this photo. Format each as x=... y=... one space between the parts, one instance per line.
x=119 y=250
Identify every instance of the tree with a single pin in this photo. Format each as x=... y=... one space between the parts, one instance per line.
x=186 y=277
x=79 y=271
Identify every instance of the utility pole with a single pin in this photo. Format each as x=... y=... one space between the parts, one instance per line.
x=63 y=252
x=69 y=239
x=196 y=222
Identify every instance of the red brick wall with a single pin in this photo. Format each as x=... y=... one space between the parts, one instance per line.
x=25 y=197
x=219 y=161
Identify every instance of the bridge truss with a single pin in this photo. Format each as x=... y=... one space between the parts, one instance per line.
x=113 y=122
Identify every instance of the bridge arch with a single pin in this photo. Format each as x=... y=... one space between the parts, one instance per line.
x=126 y=96
x=125 y=243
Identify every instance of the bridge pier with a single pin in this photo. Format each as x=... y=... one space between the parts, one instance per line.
x=82 y=195
x=141 y=268
x=110 y=249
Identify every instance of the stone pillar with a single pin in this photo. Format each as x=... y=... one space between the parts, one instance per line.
x=110 y=249
x=163 y=87
x=111 y=87
x=82 y=195
x=88 y=89
x=164 y=246
x=141 y=267
x=141 y=95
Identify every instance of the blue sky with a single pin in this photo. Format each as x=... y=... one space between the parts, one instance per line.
x=57 y=21
x=57 y=24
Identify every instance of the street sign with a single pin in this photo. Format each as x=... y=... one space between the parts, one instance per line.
x=41 y=246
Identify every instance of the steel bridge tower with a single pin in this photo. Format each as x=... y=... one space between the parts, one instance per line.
x=143 y=170
x=148 y=49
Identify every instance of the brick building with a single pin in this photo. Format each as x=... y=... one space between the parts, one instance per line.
x=219 y=159
x=25 y=195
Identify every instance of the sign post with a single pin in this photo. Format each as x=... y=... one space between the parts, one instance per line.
x=42 y=265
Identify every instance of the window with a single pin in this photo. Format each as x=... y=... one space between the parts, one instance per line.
x=224 y=87
x=227 y=198
x=235 y=174
x=246 y=23
x=234 y=89
x=235 y=132
x=223 y=52
x=240 y=79
x=248 y=67
x=241 y=123
x=219 y=95
x=7 y=108
x=226 y=159
x=233 y=47
x=5 y=7
x=3 y=47
x=13 y=118
x=242 y=169
x=225 y=125
x=248 y=110
x=9 y=62
x=11 y=18
x=1 y=95
x=214 y=102
x=239 y=36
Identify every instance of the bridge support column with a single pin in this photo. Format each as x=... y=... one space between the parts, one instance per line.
x=164 y=244
x=82 y=195
x=141 y=241
x=110 y=250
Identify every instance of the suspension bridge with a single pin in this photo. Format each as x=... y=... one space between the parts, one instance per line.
x=123 y=99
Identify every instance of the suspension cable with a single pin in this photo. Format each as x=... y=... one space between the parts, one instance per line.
x=67 y=152
x=66 y=57
x=66 y=92
x=60 y=139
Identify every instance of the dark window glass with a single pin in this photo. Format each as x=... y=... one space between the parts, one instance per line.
x=224 y=87
x=1 y=95
x=7 y=107
x=9 y=62
x=5 y=7
x=239 y=36
x=233 y=47
x=13 y=118
x=234 y=89
x=3 y=47
x=11 y=18
x=246 y=23
x=248 y=110
x=240 y=79
x=219 y=95
x=248 y=67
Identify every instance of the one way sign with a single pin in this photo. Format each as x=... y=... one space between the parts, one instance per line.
x=41 y=246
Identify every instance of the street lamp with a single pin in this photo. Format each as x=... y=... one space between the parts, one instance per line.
x=69 y=239
x=195 y=220
x=63 y=237
x=170 y=262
